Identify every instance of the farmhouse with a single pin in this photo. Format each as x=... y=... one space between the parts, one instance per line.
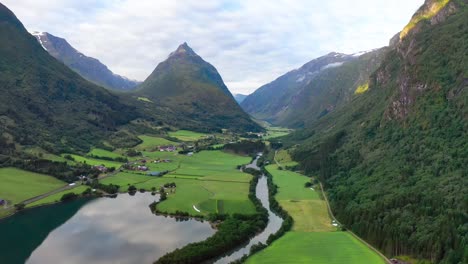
x=101 y=168
x=142 y=168
x=167 y=148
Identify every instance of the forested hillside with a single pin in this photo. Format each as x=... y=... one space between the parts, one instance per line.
x=46 y=104
x=393 y=160
x=193 y=90
x=300 y=97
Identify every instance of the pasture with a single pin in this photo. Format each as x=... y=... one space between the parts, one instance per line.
x=95 y=162
x=56 y=197
x=97 y=152
x=208 y=180
x=291 y=185
x=186 y=135
x=273 y=132
x=19 y=185
x=152 y=142
x=316 y=248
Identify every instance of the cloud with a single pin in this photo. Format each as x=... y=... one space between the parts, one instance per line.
x=250 y=42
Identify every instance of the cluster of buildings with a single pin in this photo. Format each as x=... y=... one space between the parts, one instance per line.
x=167 y=148
x=101 y=168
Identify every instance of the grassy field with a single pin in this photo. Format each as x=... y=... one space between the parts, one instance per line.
x=95 y=162
x=56 y=197
x=97 y=152
x=19 y=185
x=186 y=135
x=309 y=215
x=313 y=239
x=151 y=142
x=191 y=191
x=291 y=185
x=273 y=132
x=316 y=248
x=208 y=180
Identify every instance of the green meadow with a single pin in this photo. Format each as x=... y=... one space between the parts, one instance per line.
x=95 y=162
x=313 y=239
x=208 y=181
x=273 y=132
x=291 y=185
x=97 y=152
x=303 y=204
x=19 y=185
x=56 y=197
x=316 y=248
x=186 y=135
x=151 y=142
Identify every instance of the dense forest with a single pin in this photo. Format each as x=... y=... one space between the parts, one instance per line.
x=394 y=160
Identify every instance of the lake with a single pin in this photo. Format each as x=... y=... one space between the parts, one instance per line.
x=103 y=230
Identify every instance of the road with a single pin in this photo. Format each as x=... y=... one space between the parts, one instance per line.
x=61 y=189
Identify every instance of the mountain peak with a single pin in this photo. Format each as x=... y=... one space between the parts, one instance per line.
x=183 y=49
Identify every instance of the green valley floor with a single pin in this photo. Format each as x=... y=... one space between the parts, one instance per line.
x=313 y=238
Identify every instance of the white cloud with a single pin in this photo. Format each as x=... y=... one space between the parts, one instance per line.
x=249 y=42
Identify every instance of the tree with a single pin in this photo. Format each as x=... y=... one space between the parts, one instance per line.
x=162 y=194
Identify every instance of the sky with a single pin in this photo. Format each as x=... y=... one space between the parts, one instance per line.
x=251 y=43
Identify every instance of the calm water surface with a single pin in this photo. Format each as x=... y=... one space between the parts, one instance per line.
x=103 y=231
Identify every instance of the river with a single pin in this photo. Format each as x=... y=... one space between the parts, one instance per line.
x=274 y=221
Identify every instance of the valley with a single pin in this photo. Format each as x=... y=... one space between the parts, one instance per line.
x=353 y=157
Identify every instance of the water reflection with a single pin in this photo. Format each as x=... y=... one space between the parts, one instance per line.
x=120 y=230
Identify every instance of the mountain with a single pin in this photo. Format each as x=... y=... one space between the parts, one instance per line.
x=46 y=104
x=89 y=68
x=193 y=89
x=303 y=95
x=240 y=97
x=393 y=159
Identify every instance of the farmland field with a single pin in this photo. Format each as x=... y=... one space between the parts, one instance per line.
x=313 y=238
x=56 y=197
x=208 y=180
x=316 y=248
x=273 y=132
x=151 y=142
x=95 y=162
x=186 y=135
x=291 y=185
x=19 y=185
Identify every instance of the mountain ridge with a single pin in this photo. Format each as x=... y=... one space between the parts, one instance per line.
x=90 y=68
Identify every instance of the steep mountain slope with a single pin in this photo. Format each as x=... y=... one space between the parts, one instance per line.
x=310 y=92
x=192 y=88
x=89 y=68
x=240 y=97
x=45 y=103
x=394 y=158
